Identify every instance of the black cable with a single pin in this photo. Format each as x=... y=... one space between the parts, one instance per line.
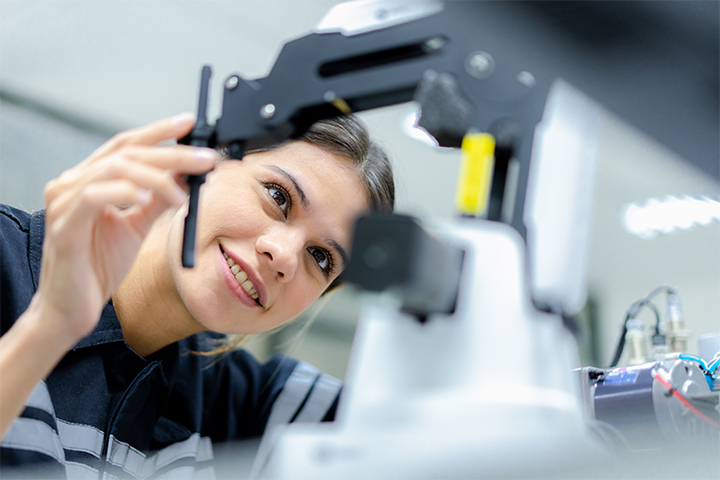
x=645 y=302
x=662 y=288
x=620 y=344
x=633 y=312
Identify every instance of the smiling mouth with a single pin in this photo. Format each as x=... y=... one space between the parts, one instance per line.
x=242 y=278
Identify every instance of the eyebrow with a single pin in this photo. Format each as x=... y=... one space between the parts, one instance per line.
x=298 y=188
x=340 y=250
x=306 y=203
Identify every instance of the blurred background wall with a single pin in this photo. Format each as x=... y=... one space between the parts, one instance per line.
x=72 y=73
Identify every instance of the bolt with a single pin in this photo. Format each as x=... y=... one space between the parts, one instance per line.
x=329 y=96
x=435 y=43
x=479 y=62
x=236 y=151
x=232 y=82
x=267 y=111
x=526 y=78
x=480 y=65
x=430 y=75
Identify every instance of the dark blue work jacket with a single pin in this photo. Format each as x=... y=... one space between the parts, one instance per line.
x=106 y=412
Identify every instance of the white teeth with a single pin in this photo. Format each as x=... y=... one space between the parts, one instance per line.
x=248 y=286
x=241 y=277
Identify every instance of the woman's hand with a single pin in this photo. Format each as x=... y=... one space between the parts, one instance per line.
x=98 y=213
x=97 y=216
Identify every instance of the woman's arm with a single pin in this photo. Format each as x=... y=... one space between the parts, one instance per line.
x=28 y=352
x=97 y=215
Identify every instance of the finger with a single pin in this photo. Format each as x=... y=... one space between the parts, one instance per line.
x=181 y=160
x=142 y=217
x=166 y=129
x=80 y=210
x=66 y=181
x=160 y=183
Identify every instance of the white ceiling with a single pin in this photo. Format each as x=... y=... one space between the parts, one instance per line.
x=124 y=63
x=130 y=62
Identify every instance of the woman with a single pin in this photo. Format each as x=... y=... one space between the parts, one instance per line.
x=109 y=318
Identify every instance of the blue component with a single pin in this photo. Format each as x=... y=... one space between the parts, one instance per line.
x=714 y=365
x=621 y=377
x=693 y=358
x=707 y=370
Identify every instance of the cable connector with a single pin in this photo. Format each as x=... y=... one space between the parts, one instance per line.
x=659 y=346
x=636 y=342
x=677 y=334
x=674 y=307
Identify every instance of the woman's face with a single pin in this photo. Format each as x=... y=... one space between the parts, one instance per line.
x=274 y=230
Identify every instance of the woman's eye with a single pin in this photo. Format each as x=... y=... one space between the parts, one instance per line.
x=321 y=258
x=280 y=196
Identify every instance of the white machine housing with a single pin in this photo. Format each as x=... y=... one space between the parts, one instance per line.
x=485 y=391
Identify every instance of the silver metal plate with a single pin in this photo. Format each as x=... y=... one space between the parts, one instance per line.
x=362 y=16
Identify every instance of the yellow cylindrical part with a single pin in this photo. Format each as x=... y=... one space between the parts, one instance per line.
x=476 y=169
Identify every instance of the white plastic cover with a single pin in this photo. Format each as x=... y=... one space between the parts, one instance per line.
x=560 y=197
x=362 y=16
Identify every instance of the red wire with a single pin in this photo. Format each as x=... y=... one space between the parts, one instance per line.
x=683 y=400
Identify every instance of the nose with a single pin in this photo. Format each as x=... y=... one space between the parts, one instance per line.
x=282 y=248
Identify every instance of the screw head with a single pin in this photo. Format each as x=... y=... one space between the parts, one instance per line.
x=267 y=111
x=526 y=78
x=329 y=96
x=480 y=65
x=236 y=151
x=435 y=43
x=232 y=82
x=430 y=75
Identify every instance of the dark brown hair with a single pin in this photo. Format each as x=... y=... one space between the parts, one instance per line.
x=347 y=137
